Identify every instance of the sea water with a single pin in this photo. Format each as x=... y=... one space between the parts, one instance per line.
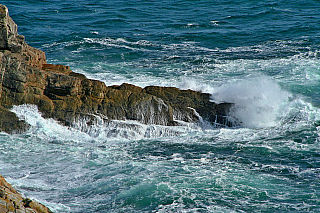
x=261 y=55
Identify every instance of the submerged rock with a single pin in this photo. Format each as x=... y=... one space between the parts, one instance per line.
x=60 y=93
x=12 y=201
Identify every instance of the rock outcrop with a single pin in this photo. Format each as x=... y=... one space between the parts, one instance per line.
x=59 y=93
x=12 y=201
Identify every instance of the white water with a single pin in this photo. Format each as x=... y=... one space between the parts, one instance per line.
x=259 y=102
x=100 y=163
x=49 y=129
x=64 y=161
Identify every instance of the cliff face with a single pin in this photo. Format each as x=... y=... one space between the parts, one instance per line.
x=59 y=93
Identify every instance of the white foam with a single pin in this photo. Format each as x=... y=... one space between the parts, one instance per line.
x=49 y=129
x=188 y=83
x=132 y=130
x=258 y=101
x=120 y=43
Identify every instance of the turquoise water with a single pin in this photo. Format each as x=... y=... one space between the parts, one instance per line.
x=261 y=55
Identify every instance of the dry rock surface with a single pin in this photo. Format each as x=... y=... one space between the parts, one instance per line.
x=11 y=201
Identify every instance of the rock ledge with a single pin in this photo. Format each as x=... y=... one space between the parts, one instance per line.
x=60 y=93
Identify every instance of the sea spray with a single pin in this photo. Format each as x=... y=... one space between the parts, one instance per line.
x=191 y=83
x=259 y=101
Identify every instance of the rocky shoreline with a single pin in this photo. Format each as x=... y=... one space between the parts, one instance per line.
x=59 y=93
x=66 y=96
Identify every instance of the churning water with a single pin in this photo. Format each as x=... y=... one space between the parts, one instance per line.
x=261 y=55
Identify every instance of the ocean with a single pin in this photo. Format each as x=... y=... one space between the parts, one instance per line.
x=261 y=55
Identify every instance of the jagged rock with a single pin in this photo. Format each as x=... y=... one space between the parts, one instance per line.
x=60 y=93
x=149 y=109
x=15 y=43
x=187 y=105
x=12 y=201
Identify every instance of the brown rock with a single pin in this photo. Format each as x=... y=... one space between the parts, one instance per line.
x=188 y=105
x=15 y=43
x=12 y=201
x=149 y=109
x=59 y=93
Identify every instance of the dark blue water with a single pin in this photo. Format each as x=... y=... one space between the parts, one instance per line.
x=261 y=55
